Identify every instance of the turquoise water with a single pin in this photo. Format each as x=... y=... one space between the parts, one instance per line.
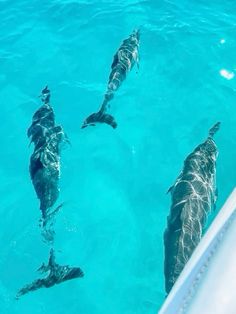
x=113 y=182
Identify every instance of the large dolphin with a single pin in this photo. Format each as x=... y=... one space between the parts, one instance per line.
x=45 y=160
x=56 y=275
x=193 y=196
x=124 y=59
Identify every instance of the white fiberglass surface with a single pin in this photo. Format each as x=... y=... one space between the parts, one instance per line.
x=208 y=283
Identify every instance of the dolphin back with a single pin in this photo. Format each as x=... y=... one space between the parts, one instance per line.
x=193 y=197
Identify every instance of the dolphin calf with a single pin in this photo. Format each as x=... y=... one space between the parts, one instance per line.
x=193 y=196
x=45 y=160
x=56 y=275
x=123 y=61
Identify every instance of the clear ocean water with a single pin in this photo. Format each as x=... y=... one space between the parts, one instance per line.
x=113 y=182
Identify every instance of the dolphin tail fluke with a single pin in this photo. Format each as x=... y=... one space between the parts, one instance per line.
x=214 y=129
x=100 y=117
x=56 y=275
x=63 y=272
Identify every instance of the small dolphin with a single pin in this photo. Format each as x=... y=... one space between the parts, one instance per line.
x=193 y=196
x=123 y=61
x=45 y=160
x=57 y=274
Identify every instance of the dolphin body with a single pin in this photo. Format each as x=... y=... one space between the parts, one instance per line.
x=123 y=61
x=45 y=160
x=193 y=196
x=56 y=275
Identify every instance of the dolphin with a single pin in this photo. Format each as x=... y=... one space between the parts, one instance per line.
x=123 y=61
x=56 y=275
x=193 y=196
x=45 y=160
